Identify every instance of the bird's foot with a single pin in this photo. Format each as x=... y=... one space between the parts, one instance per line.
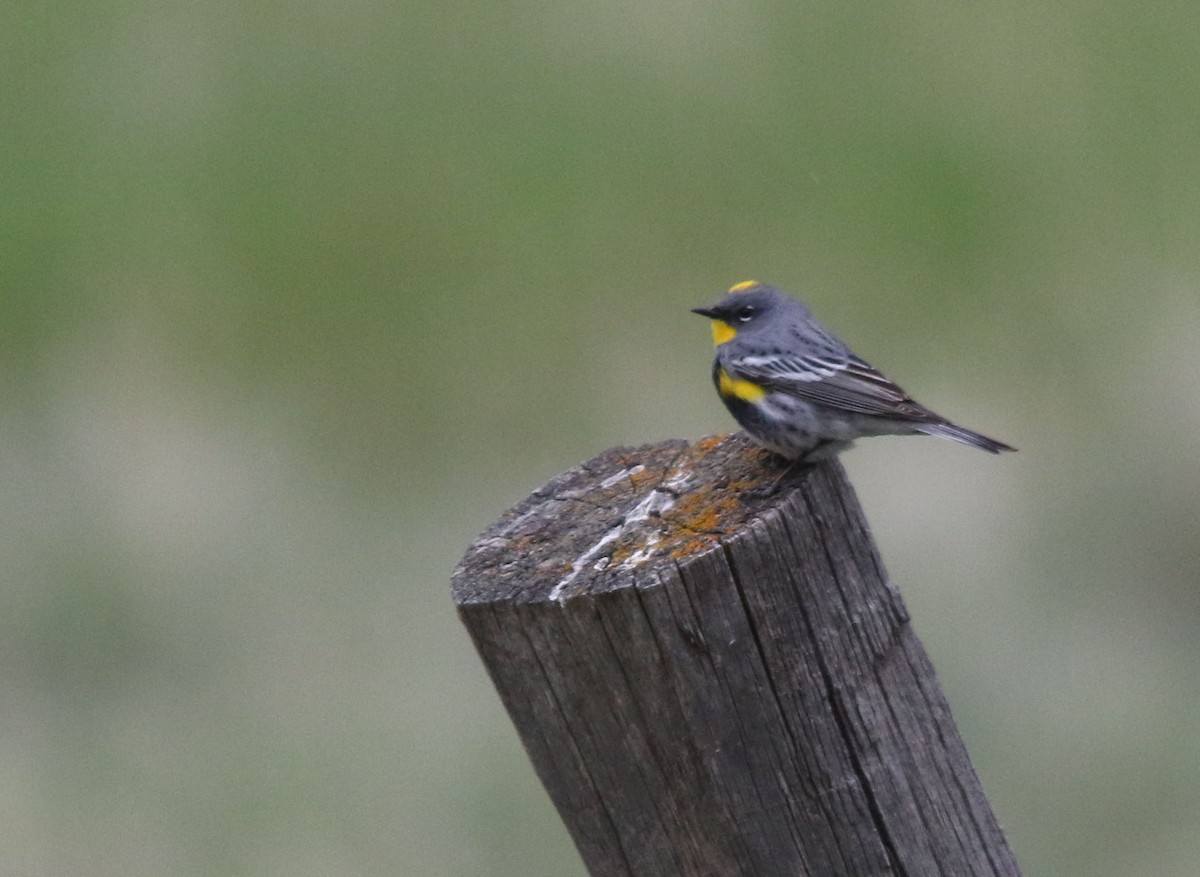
x=790 y=467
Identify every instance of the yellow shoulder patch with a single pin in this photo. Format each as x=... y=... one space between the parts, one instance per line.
x=738 y=388
x=744 y=285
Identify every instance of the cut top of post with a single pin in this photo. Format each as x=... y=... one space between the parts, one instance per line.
x=619 y=514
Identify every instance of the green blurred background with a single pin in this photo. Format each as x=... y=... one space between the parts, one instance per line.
x=299 y=297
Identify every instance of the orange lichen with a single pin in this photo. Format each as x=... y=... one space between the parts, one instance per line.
x=620 y=554
x=627 y=461
x=698 y=511
x=522 y=544
x=708 y=444
x=686 y=506
x=699 y=518
x=645 y=476
x=692 y=546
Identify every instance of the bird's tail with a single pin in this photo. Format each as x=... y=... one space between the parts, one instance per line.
x=945 y=429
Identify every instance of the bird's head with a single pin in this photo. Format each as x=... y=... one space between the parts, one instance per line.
x=744 y=309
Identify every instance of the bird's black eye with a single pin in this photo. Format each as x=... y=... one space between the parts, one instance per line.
x=744 y=314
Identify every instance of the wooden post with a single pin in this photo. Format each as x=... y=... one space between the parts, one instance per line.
x=713 y=679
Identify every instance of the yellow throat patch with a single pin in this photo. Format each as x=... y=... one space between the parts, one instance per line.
x=722 y=332
x=738 y=388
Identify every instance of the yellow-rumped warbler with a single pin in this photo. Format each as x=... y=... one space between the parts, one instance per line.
x=799 y=391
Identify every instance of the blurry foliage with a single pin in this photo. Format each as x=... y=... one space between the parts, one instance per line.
x=299 y=298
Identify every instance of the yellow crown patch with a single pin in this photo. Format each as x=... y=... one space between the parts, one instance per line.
x=744 y=285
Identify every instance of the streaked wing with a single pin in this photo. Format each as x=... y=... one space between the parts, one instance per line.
x=846 y=383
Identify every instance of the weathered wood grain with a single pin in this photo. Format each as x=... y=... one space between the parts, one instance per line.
x=711 y=680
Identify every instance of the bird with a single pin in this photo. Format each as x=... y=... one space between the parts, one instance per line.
x=799 y=391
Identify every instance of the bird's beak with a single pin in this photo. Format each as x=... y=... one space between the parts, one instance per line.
x=705 y=312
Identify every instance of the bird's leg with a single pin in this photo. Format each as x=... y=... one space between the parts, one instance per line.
x=825 y=450
x=790 y=466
